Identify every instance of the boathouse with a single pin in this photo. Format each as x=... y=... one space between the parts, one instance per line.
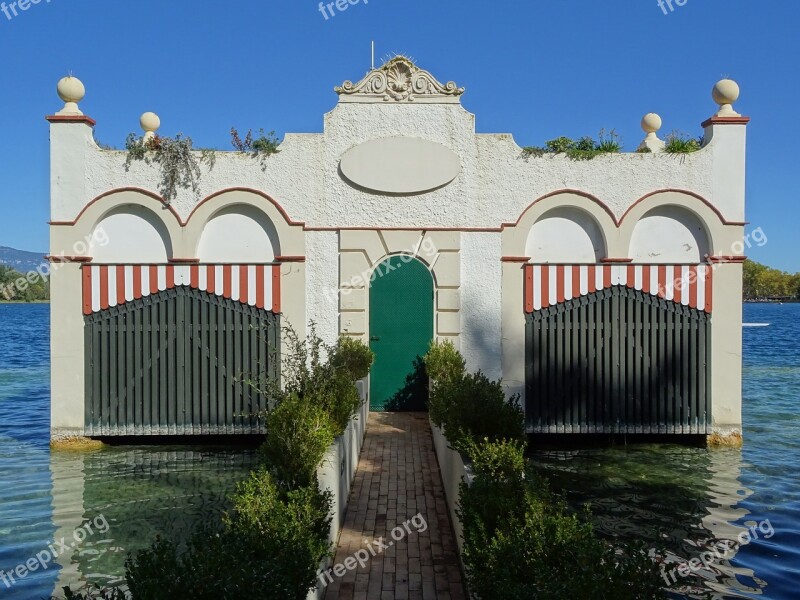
x=605 y=292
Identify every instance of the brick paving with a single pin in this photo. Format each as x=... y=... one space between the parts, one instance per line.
x=398 y=478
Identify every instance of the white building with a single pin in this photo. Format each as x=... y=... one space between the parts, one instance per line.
x=606 y=292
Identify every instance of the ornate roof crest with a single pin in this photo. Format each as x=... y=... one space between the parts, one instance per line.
x=399 y=80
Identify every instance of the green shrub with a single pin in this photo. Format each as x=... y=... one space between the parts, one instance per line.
x=502 y=460
x=443 y=362
x=469 y=407
x=440 y=402
x=93 y=592
x=353 y=357
x=521 y=542
x=473 y=408
x=270 y=547
x=338 y=396
x=299 y=433
x=321 y=375
x=298 y=521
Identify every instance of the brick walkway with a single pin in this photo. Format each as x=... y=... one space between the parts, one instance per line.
x=397 y=479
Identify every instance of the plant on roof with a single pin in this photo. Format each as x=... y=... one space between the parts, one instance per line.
x=261 y=147
x=609 y=142
x=585 y=148
x=535 y=151
x=180 y=167
x=559 y=145
x=680 y=143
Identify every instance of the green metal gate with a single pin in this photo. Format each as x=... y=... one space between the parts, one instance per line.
x=618 y=361
x=173 y=363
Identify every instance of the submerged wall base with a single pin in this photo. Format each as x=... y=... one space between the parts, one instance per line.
x=75 y=443
x=726 y=439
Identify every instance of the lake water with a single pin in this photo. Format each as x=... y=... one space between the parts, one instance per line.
x=681 y=499
x=137 y=492
x=684 y=500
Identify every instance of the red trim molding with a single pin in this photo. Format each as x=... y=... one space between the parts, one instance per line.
x=292 y=222
x=71 y=119
x=726 y=259
x=679 y=191
x=142 y=191
x=184 y=261
x=516 y=259
x=68 y=259
x=616 y=260
x=586 y=195
x=274 y=202
x=286 y=259
x=726 y=121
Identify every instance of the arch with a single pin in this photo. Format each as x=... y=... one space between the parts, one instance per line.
x=238 y=233
x=580 y=217
x=566 y=234
x=709 y=212
x=155 y=223
x=130 y=233
x=125 y=195
x=695 y=221
x=240 y=223
x=669 y=234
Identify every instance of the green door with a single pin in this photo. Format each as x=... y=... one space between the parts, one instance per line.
x=401 y=327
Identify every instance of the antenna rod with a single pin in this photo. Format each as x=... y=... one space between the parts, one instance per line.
x=373 y=55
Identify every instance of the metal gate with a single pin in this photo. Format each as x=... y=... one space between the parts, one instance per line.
x=618 y=360
x=173 y=363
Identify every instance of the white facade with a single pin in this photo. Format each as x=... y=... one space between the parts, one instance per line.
x=397 y=169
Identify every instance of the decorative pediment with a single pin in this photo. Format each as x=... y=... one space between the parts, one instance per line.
x=399 y=80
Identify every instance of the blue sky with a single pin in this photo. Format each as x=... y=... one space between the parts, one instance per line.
x=532 y=68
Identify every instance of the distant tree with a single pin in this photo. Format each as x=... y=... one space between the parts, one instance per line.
x=795 y=285
x=16 y=288
x=760 y=281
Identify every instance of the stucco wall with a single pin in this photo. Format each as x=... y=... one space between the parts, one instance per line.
x=335 y=230
x=495 y=186
x=481 y=299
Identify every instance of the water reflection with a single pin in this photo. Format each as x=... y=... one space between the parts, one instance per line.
x=128 y=495
x=685 y=500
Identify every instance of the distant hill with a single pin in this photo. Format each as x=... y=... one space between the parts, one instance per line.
x=20 y=260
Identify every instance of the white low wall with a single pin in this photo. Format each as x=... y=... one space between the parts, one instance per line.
x=454 y=471
x=336 y=474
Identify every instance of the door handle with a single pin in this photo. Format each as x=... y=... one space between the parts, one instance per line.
x=374 y=338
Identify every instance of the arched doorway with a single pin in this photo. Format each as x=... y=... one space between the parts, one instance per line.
x=401 y=328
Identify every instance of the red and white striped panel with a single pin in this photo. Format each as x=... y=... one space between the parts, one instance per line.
x=105 y=286
x=548 y=285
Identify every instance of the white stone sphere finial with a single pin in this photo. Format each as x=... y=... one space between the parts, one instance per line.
x=651 y=123
x=70 y=89
x=150 y=124
x=725 y=93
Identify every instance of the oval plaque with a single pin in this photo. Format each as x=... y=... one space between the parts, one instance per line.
x=400 y=165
